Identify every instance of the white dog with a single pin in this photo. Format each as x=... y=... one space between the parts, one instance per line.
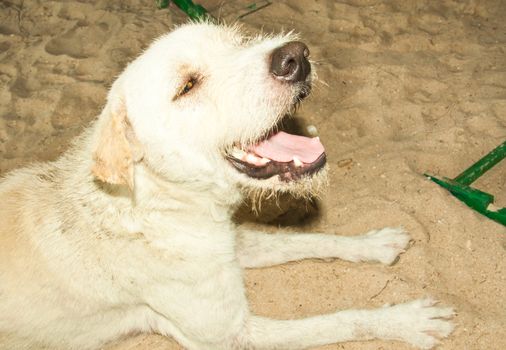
x=130 y=230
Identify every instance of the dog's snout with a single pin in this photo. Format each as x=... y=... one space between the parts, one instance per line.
x=289 y=62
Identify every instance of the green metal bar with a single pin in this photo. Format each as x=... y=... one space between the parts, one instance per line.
x=194 y=11
x=475 y=199
x=480 y=201
x=469 y=175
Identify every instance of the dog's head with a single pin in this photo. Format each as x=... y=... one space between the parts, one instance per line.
x=204 y=104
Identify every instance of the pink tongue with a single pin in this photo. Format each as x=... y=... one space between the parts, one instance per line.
x=282 y=147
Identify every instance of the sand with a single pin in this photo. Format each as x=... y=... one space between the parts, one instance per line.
x=405 y=87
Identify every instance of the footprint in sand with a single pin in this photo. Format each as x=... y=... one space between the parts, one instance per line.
x=4 y=46
x=81 y=41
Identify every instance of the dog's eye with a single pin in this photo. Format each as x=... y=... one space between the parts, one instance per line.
x=187 y=87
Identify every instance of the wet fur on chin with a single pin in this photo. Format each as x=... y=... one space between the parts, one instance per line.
x=307 y=188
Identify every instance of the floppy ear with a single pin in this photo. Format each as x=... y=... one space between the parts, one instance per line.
x=117 y=148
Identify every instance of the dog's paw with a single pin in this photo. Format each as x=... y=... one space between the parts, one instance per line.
x=384 y=245
x=419 y=323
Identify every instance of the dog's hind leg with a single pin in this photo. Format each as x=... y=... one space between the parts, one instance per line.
x=418 y=323
x=258 y=249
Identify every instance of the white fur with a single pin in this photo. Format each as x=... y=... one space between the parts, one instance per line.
x=90 y=252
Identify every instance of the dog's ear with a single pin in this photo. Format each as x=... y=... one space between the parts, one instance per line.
x=117 y=148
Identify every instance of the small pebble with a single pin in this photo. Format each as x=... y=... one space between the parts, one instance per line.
x=311 y=129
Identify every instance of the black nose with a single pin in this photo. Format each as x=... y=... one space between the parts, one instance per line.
x=289 y=62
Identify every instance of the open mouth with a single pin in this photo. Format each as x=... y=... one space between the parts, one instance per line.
x=288 y=156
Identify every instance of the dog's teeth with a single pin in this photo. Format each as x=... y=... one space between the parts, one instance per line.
x=317 y=138
x=238 y=153
x=297 y=161
x=251 y=158
x=264 y=160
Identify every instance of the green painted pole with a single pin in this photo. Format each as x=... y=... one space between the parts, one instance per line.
x=194 y=11
x=480 y=201
x=469 y=175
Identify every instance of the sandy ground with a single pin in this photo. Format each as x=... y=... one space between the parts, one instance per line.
x=404 y=87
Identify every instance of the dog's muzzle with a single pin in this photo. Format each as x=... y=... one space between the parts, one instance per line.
x=288 y=156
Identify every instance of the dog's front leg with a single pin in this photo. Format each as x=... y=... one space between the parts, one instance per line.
x=212 y=314
x=201 y=303
x=419 y=323
x=258 y=249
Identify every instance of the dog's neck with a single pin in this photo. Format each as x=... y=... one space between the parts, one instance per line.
x=212 y=201
x=217 y=199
